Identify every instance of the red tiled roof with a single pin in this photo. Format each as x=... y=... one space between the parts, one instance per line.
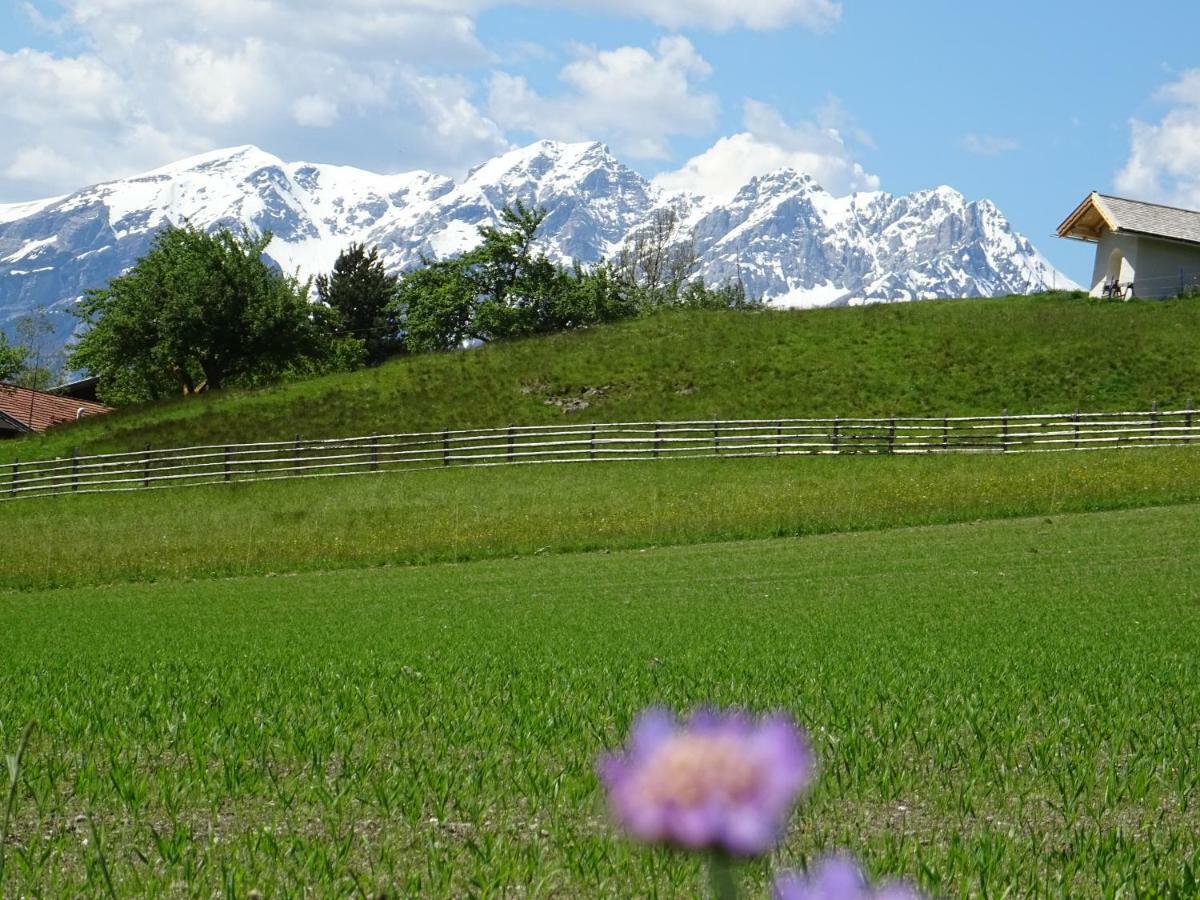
x=37 y=410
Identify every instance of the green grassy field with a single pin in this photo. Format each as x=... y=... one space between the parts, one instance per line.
x=399 y=683
x=464 y=514
x=1030 y=354
x=999 y=708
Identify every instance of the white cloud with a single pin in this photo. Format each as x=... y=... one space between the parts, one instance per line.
x=721 y=15
x=156 y=81
x=223 y=87
x=315 y=111
x=378 y=83
x=70 y=122
x=1164 y=158
x=634 y=98
x=39 y=164
x=768 y=144
x=84 y=89
x=988 y=144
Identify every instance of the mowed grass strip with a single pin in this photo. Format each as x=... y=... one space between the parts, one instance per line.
x=965 y=357
x=464 y=514
x=999 y=708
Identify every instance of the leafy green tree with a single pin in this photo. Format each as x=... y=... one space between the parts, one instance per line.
x=199 y=311
x=43 y=365
x=29 y=362
x=696 y=294
x=359 y=295
x=516 y=287
x=506 y=288
x=499 y=289
x=502 y=288
x=12 y=359
x=435 y=305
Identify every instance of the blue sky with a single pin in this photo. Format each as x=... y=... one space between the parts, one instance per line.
x=1031 y=104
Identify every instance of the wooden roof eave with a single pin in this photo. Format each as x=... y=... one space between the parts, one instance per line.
x=8 y=423
x=1075 y=227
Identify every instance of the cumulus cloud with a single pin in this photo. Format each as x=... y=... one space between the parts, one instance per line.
x=634 y=98
x=153 y=82
x=385 y=84
x=767 y=144
x=1164 y=158
x=988 y=144
x=68 y=122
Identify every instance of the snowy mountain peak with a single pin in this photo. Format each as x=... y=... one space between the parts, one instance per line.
x=541 y=159
x=786 y=237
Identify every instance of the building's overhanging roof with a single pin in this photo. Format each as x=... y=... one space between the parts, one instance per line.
x=8 y=423
x=1101 y=212
x=37 y=410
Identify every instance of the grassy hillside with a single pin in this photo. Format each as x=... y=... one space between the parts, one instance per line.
x=999 y=709
x=470 y=514
x=976 y=356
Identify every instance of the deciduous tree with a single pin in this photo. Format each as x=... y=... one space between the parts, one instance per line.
x=199 y=311
x=12 y=359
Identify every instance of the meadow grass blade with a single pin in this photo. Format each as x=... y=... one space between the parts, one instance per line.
x=13 y=764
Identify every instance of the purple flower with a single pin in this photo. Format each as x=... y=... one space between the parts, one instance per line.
x=837 y=878
x=720 y=782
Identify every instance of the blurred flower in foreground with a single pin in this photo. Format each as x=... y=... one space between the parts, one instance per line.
x=721 y=782
x=837 y=878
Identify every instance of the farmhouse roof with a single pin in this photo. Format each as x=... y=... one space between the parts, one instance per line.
x=25 y=410
x=80 y=389
x=1120 y=215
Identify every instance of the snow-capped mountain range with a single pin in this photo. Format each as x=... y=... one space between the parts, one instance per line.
x=788 y=239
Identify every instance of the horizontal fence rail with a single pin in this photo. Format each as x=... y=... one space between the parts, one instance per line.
x=148 y=469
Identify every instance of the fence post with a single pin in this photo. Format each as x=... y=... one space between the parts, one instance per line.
x=779 y=438
x=16 y=474
x=228 y=471
x=374 y=453
x=510 y=443
x=946 y=431
x=717 y=438
x=296 y=455
x=837 y=427
x=1075 y=419
x=74 y=468
x=146 y=467
x=592 y=444
x=892 y=436
x=1189 y=421
x=1004 y=431
x=446 y=447
x=657 y=438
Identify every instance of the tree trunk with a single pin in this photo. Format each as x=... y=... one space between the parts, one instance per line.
x=213 y=376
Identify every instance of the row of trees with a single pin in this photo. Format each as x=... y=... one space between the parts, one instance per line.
x=202 y=311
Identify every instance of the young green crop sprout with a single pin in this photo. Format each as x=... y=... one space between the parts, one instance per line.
x=837 y=878
x=723 y=784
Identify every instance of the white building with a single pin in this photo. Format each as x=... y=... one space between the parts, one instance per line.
x=1142 y=249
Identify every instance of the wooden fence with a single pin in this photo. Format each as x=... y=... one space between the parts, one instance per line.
x=215 y=464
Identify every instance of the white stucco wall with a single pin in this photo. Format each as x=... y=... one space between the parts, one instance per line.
x=1159 y=266
x=1154 y=266
x=1128 y=245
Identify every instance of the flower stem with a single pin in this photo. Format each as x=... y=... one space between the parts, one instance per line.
x=720 y=877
